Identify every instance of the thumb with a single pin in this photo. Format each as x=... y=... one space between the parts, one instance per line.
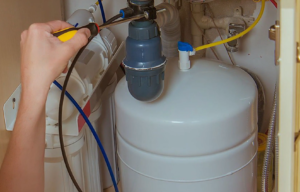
x=79 y=40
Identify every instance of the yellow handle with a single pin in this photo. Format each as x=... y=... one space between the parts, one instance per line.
x=67 y=36
x=68 y=33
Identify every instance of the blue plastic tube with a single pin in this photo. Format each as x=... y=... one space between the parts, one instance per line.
x=102 y=11
x=94 y=134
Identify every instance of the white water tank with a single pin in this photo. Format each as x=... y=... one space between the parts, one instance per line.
x=200 y=135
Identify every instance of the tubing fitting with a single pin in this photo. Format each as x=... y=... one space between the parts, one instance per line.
x=141 y=6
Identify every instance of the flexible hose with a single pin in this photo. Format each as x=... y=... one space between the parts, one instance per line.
x=276 y=158
x=93 y=131
x=114 y=18
x=61 y=102
x=87 y=121
x=61 y=140
x=102 y=11
x=268 y=151
x=263 y=3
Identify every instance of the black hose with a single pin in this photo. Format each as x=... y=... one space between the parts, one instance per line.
x=114 y=18
x=61 y=140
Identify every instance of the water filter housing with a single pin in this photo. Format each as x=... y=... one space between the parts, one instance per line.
x=199 y=135
x=144 y=63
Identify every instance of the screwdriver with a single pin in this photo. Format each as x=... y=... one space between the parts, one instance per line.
x=67 y=34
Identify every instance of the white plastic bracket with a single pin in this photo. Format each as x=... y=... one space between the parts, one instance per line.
x=11 y=108
x=72 y=126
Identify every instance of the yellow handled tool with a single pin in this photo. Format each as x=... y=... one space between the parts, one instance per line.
x=67 y=34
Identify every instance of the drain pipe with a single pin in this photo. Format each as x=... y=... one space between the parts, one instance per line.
x=169 y=23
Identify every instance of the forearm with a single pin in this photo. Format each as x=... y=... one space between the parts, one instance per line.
x=43 y=59
x=23 y=166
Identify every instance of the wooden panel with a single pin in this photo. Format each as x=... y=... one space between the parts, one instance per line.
x=16 y=16
x=297 y=127
x=287 y=96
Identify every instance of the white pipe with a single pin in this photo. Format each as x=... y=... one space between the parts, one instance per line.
x=169 y=22
x=206 y=22
x=197 y=10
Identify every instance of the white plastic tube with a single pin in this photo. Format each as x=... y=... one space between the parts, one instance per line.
x=169 y=22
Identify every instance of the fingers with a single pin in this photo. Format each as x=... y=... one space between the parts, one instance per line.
x=65 y=70
x=37 y=29
x=23 y=35
x=50 y=27
x=73 y=45
x=57 y=25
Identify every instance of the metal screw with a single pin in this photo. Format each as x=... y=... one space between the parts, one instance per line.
x=146 y=14
x=14 y=101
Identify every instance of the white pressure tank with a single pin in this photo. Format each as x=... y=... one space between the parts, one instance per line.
x=200 y=135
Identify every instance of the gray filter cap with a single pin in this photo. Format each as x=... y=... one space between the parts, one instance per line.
x=144 y=62
x=146 y=85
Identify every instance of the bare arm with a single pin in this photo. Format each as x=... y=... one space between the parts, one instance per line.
x=44 y=57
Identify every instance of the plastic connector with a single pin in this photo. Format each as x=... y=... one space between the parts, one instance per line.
x=126 y=12
x=92 y=8
x=185 y=51
x=183 y=46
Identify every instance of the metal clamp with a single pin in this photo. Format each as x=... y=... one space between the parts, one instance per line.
x=150 y=13
x=274 y=34
x=298 y=52
x=234 y=29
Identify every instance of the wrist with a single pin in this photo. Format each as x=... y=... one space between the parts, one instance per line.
x=35 y=93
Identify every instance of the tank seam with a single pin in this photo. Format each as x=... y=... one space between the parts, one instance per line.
x=192 y=181
x=208 y=154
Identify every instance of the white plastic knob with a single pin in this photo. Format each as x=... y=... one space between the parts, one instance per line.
x=184 y=60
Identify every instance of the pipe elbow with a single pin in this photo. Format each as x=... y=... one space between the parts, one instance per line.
x=169 y=22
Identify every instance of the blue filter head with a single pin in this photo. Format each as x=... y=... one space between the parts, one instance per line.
x=144 y=62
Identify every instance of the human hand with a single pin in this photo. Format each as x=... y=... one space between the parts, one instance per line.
x=43 y=56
